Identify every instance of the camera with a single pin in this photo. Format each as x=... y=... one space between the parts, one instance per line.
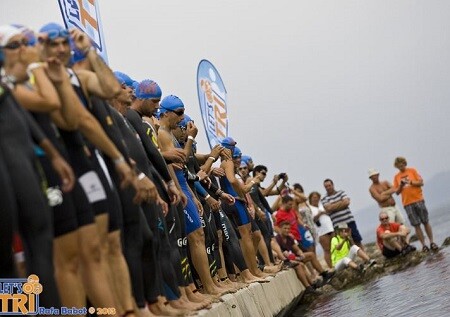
x=282 y=175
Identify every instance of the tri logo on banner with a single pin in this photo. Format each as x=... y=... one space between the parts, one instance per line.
x=212 y=97
x=85 y=15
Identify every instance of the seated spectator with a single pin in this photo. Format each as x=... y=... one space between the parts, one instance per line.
x=344 y=250
x=288 y=246
x=287 y=213
x=392 y=237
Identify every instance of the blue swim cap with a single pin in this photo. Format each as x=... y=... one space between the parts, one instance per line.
x=237 y=152
x=124 y=78
x=228 y=142
x=147 y=89
x=246 y=158
x=170 y=103
x=54 y=30
x=183 y=123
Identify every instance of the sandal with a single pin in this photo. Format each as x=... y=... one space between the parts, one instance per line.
x=434 y=246
x=425 y=249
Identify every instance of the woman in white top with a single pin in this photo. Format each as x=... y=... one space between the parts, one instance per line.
x=323 y=224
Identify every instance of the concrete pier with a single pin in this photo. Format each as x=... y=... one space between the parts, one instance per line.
x=267 y=299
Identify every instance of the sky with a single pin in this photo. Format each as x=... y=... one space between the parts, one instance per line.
x=317 y=89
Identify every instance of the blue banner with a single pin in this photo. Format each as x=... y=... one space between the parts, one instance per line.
x=85 y=15
x=212 y=97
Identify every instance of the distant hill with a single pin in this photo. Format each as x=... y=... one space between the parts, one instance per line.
x=436 y=192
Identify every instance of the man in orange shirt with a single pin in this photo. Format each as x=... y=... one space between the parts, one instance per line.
x=408 y=183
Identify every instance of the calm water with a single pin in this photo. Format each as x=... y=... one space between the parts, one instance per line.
x=423 y=290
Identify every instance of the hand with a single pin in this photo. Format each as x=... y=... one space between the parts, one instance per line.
x=174 y=194
x=175 y=155
x=191 y=129
x=163 y=204
x=199 y=206
x=225 y=154
x=202 y=175
x=65 y=172
x=217 y=171
x=214 y=204
x=178 y=166
x=261 y=214
x=145 y=190
x=227 y=198
x=80 y=39
x=126 y=174
x=276 y=178
x=55 y=70
x=29 y=55
x=215 y=152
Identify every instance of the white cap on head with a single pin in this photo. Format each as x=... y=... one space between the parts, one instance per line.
x=372 y=172
x=7 y=32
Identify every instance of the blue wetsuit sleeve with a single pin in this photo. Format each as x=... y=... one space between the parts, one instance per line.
x=200 y=190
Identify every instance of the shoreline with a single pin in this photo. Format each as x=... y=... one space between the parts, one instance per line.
x=284 y=293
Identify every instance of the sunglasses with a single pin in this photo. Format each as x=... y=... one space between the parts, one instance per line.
x=237 y=156
x=16 y=44
x=263 y=173
x=384 y=218
x=243 y=168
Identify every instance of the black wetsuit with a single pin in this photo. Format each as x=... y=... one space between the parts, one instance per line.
x=159 y=275
x=34 y=217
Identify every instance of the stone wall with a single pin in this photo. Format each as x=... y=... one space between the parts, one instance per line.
x=267 y=299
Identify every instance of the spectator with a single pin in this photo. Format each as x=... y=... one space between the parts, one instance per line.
x=324 y=225
x=336 y=204
x=392 y=237
x=408 y=183
x=385 y=201
x=344 y=251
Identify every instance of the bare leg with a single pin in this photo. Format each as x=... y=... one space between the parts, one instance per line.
x=325 y=242
x=92 y=268
x=248 y=250
x=196 y=241
x=262 y=248
x=363 y=255
x=67 y=263
x=118 y=265
x=429 y=232
x=419 y=234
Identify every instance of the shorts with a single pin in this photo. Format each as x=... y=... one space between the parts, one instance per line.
x=388 y=253
x=355 y=233
x=394 y=214
x=191 y=217
x=307 y=239
x=237 y=213
x=343 y=263
x=417 y=213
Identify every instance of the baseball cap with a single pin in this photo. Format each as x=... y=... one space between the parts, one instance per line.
x=147 y=89
x=170 y=103
x=124 y=78
x=228 y=142
x=341 y=225
x=372 y=172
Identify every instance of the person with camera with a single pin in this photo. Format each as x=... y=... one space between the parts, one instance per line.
x=344 y=250
x=408 y=183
